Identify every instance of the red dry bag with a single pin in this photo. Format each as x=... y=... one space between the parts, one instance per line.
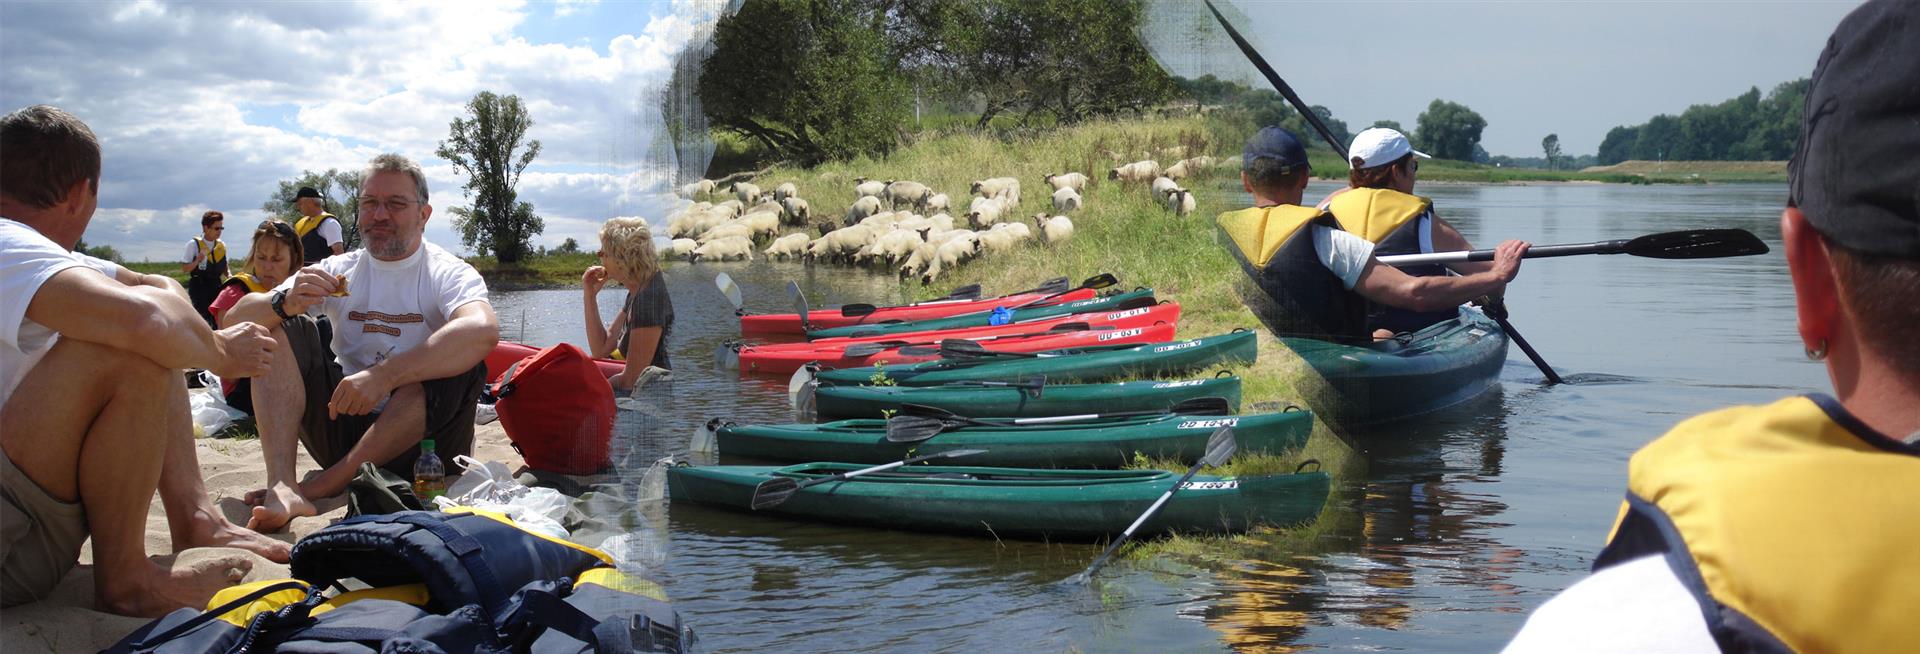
x=558 y=410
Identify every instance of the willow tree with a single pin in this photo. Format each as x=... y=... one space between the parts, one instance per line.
x=487 y=146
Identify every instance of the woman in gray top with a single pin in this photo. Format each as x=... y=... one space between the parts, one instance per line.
x=638 y=332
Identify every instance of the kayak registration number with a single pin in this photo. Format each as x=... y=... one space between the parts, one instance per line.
x=1210 y=485
x=1176 y=346
x=1124 y=333
x=1210 y=424
x=1180 y=384
x=1127 y=314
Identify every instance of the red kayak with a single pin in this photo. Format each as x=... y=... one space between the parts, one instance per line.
x=1121 y=319
x=761 y=359
x=508 y=353
x=767 y=324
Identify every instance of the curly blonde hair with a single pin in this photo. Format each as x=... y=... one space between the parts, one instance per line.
x=628 y=243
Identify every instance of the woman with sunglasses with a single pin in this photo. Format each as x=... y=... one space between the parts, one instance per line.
x=1379 y=205
x=205 y=264
x=275 y=256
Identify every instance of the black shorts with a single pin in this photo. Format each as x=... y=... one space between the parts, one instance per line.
x=450 y=405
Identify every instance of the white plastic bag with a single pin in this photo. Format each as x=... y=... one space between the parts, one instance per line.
x=492 y=487
x=210 y=411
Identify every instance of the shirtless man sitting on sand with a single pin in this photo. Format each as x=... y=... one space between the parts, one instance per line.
x=93 y=406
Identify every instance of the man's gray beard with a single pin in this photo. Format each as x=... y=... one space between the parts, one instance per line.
x=392 y=248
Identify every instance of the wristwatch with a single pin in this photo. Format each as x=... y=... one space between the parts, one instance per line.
x=280 y=305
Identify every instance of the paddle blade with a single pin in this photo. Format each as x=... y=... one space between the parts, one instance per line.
x=1220 y=447
x=1205 y=406
x=704 y=439
x=963 y=347
x=800 y=304
x=729 y=289
x=726 y=356
x=1071 y=327
x=802 y=380
x=860 y=350
x=913 y=429
x=1101 y=280
x=968 y=292
x=857 y=310
x=1697 y=244
x=950 y=454
x=925 y=411
x=773 y=492
x=920 y=351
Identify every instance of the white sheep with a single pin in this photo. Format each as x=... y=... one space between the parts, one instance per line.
x=1180 y=201
x=1232 y=162
x=765 y=224
x=785 y=190
x=1004 y=236
x=748 y=193
x=791 y=245
x=1055 y=229
x=699 y=188
x=768 y=205
x=1066 y=199
x=679 y=247
x=1075 y=181
x=864 y=188
x=729 y=208
x=866 y=205
x=985 y=212
x=1161 y=185
x=893 y=246
x=950 y=255
x=796 y=211
x=729 y=229
x=906 y=192
x=1136 y=172
x=999 y=187
x=938 y=203
x=1176 y=172
x=940 y=222
x=726 y=249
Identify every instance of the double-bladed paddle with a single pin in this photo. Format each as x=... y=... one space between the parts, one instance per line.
x=776 y=491
x=1220 y=448
x=918 y=423
x=729 y=289
x=800 y=305
x=1685 y=244
x=1273 y=78
x=1095 y=282
x=968 y=292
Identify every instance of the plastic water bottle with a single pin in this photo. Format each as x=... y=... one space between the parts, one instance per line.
x=429 y=475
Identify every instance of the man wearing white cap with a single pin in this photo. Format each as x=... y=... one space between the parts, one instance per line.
x=1379 y=205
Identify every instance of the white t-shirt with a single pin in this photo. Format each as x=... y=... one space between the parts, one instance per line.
x=27 y=260
x=391 y=306
x=1342 y=252
x=197 y=246
x=330 y=230
x=1637 y=606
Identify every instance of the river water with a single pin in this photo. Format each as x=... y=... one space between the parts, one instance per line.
x=1464 y=521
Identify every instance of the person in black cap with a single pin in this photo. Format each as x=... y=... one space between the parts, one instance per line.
x=319 y=231
x=1793 y=526
x=1308 y=277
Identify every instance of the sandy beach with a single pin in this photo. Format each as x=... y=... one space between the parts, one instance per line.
x=67 y=621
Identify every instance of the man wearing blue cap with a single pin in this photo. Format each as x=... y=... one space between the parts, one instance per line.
x=1308 y=277
x=1795 y=526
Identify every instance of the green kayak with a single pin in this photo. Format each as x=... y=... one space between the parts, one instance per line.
x=1033 y=397
x=1080 y=364
x=1057 y=504
x=1045 y=443
x=1136 y=298
x=1437 y=367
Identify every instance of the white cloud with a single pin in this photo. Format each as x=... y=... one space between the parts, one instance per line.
x=204 y=106
x=565 y=8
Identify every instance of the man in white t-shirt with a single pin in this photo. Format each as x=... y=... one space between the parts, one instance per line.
x=411 y=327
x=93 y=406
x=1309 y=276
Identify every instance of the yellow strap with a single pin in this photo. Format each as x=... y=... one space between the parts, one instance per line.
x=623 y=582
x=415 y=594
x=270 y=602
x=253 y=285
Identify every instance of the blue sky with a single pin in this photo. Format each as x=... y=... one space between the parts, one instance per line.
x=208 y=105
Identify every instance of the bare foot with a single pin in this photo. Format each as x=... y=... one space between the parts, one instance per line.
x=213 y=530
x=255 y=497
x=282 y=504
x=187 y=584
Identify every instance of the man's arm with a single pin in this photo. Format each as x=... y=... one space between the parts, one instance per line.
x=1387 y=285
x=162 y=282
x=453 y=349
x=153 y=320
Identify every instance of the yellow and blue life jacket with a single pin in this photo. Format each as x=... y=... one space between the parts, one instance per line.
x=1392 y=221
x=313 y=246
x=1795 y=526
x=1285 y=285
x=469 y=581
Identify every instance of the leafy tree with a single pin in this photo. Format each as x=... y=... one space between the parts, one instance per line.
x=1749 y=126
x=1551 y=146
x=1618 y=145
x=1335 y=125
x=1389 y=124
x=486 y=145
x=809 y=79
x=1448 y=130
x=339 y=195
x=568 y=246
x=98 y=251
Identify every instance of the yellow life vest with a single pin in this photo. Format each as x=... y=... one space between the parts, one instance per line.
x=307 y=223
x=1285 y=285
x=218 y=254
x=1793 y=524
x=312 y=247
x=253 y=285
x=1377 y=213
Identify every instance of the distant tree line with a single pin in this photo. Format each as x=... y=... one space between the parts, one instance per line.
x=1748 y=127
x=815 y=80
x=1448 y=130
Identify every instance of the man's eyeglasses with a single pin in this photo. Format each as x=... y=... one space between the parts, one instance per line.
x=391 y=205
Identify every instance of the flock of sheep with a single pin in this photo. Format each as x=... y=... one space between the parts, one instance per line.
x=902 y=225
